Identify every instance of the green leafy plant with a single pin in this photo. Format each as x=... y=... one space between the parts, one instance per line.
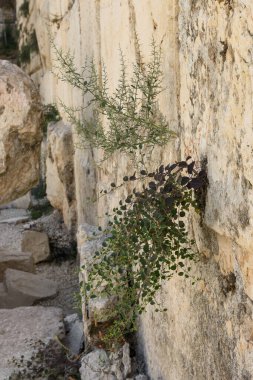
x=147 y=243
x=128 y=120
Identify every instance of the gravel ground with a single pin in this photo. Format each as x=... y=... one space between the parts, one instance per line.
x=65 y=274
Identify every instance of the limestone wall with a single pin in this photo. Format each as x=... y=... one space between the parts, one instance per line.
x=207 y=332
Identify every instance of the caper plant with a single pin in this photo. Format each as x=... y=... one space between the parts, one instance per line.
x=127 y=121
x=147 y=240
x=148 y=243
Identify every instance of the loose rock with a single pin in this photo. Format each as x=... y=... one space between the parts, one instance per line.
x=37 y=243
x=24 y=289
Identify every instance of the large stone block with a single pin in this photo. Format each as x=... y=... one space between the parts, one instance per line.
x=15 y=260
x=37 y=243
x=24 y=289
x=20 y=133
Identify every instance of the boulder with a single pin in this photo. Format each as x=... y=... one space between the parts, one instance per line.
x=102 y=365
x=60 y=171
x=37 y=243
x=15 y=260
x=24 y=289
x=20 y=133
x=22 y=329
x=96 y=366
x=62 y=241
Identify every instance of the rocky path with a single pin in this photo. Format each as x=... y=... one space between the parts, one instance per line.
x=45 y=341
x=32 y=332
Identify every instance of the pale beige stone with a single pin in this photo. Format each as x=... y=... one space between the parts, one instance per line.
x=24 y=289
x=60 y=171
x=20 y=133
x=15 y=260
x=37 y=243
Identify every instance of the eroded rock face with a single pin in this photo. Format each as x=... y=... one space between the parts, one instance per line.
x=60 y=171
x=20 y=133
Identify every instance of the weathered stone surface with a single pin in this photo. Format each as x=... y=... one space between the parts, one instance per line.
x=15 y=260
x=60 y=171
x=74 y=333
x=21 y=328
x=24 y=289
x=98 y=309
x=20 y=133
x=37 y=243
x=102 y=365
x=96 y=366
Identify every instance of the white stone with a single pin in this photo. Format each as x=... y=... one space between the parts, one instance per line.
x=126 y=360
